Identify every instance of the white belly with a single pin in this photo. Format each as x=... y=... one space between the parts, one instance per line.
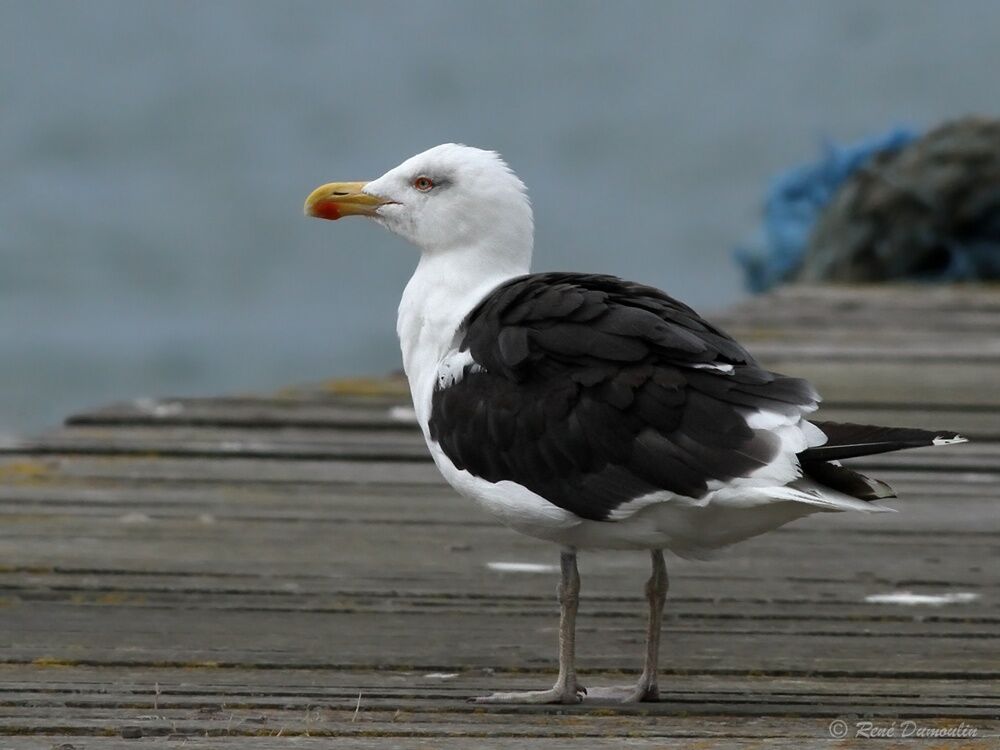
x=509 y=502
x=685 y=527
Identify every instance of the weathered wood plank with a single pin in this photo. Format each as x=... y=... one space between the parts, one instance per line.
x=213 y=684
x=386 y=740
x=938 y=386
x=265 y=413
x=119 y=635
x=914 y=298
x=419 y=704
x=234 y=470
x=975 y=351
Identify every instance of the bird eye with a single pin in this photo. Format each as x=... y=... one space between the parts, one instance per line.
x=423 y=184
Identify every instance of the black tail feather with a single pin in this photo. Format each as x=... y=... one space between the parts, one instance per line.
x=847 y=440
x=836 y=477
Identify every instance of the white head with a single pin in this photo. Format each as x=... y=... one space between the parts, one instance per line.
x=448 y=199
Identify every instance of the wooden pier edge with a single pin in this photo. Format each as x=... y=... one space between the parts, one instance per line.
x=288 y=570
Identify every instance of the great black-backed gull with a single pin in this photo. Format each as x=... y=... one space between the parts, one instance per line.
x=587 y=410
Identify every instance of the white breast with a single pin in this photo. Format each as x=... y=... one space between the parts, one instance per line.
x=437 y=299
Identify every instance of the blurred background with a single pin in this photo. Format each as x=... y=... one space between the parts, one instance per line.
x=154 y=158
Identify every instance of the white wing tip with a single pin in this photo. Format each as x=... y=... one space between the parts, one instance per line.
x=950 y=441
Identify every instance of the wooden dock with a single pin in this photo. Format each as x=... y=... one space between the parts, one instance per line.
x=290 y=571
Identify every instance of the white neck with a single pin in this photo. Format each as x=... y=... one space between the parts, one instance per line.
x=443 y=290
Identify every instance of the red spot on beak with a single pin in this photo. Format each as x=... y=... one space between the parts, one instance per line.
x=325 y=210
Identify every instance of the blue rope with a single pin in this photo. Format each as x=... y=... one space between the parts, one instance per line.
x=796 y=198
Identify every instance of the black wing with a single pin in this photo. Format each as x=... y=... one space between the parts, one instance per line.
x=592 y=391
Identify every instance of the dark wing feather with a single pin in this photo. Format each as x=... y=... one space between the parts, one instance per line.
x=836 y=477
x=592 y=391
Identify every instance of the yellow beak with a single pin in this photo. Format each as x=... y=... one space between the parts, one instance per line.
x=336 y=199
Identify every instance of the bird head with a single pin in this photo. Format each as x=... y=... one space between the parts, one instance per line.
x=448 y=198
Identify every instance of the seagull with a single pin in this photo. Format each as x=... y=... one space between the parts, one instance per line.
x=590 y=411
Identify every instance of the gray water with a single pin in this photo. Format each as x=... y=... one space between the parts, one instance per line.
x=154 y=158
